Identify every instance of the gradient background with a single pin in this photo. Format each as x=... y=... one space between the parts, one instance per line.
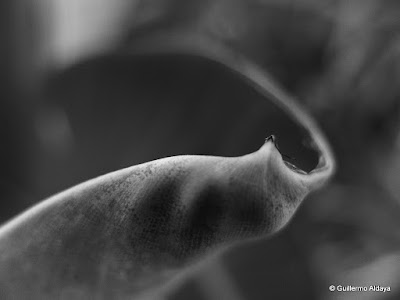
x=74 y=104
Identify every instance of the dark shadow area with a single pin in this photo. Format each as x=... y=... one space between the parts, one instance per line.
x=124 y=110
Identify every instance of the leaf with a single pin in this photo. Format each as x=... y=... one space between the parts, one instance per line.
x=126 y=231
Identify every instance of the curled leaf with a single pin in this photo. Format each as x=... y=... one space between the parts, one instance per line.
x=118 y=234
x=122 y=231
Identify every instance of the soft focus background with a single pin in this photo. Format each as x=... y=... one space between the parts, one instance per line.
x=76 y=103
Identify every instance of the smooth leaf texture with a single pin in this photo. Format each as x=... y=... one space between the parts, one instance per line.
x=119 y=233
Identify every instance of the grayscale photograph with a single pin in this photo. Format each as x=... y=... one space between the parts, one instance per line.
x=200 y=149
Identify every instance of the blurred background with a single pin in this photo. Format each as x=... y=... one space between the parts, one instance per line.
x=87 y=88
